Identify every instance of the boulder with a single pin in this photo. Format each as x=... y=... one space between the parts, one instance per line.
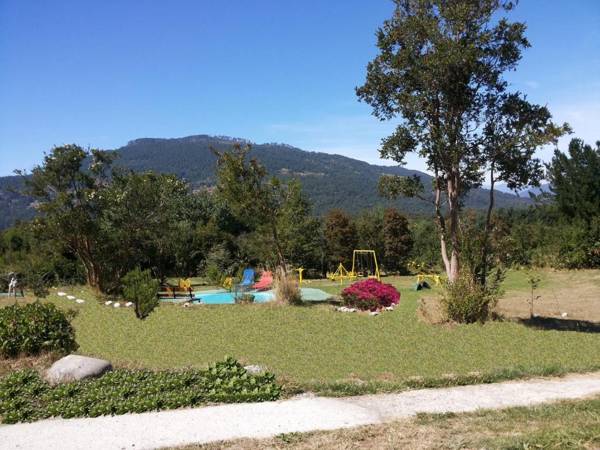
x=76 y=367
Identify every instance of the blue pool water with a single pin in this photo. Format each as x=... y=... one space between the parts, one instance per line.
x=224 y=298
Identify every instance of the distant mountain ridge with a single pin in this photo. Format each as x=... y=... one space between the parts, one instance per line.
x=330 y=181
x=543 y=188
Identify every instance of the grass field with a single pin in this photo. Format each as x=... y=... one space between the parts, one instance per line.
x=315 y=347
x=565 y=425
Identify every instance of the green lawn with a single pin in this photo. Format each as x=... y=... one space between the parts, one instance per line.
x=314 y=346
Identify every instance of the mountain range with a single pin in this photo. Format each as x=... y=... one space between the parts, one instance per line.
x=330 y=181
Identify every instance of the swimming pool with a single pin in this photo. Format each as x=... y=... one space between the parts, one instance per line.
x=228 y=298
x=222 y=297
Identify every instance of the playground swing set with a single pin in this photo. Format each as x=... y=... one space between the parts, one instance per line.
x=364 y=264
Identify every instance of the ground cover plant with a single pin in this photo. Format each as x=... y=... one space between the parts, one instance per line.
x=34 y=328
x=26 y=397
x=316 y=348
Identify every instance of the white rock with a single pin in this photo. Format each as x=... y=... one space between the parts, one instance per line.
x=71 y=297
x=75 y=367
x=108 y=302
x=117 y=305
x=80 y=300
x=389 y=308
x=564 y=315
x=61 y=294
x=128 y=304
x=374 y=313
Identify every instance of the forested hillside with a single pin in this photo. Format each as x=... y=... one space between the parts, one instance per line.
x=13 y=206
x=330 y=181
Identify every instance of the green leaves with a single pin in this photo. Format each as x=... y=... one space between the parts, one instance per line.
x=398 y=145
x=35 y=328
x=25 y=397
x=440 y=71
x=575 y=181
x=142 y=290
x=393 y=186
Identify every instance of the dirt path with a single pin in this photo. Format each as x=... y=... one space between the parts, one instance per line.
x=259 y=420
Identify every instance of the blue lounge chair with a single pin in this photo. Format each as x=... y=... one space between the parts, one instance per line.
x=247 y=278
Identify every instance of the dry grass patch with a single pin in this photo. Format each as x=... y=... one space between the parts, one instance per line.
x=575 y=292
x=431 y=311
x=39 y=363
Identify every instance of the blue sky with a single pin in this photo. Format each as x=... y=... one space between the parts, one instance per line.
x=100 y=73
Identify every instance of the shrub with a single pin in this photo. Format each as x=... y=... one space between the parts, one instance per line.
x=286 y=289
x=25 y=397
x=35 y=328
x=214 y=275
x=142 y=290
x=370 y=295
x=466 y=301
x=244 y=298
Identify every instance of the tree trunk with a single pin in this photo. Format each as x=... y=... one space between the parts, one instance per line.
x=485 y=250
x=92 y=271
x=441 y=225
x=280 y=258
x=453 y=213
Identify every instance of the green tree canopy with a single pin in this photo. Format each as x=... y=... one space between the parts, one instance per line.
x=67 y=188
x=440 y=71
x=575 y=180
x=150 y=221
x=277 y=213
x=341 y=238
x=398 y=240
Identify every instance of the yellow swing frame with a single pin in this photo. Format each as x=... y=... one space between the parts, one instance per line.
x=355 y=253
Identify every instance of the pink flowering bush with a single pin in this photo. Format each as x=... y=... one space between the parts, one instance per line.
x=370 y=295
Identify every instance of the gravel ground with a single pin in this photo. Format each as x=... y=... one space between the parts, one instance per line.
x=260 y=420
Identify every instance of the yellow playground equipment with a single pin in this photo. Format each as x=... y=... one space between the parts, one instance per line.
x=424 y=273
x=300 y=270
x=340 y=274
x=422 y=281
x=364 y=264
